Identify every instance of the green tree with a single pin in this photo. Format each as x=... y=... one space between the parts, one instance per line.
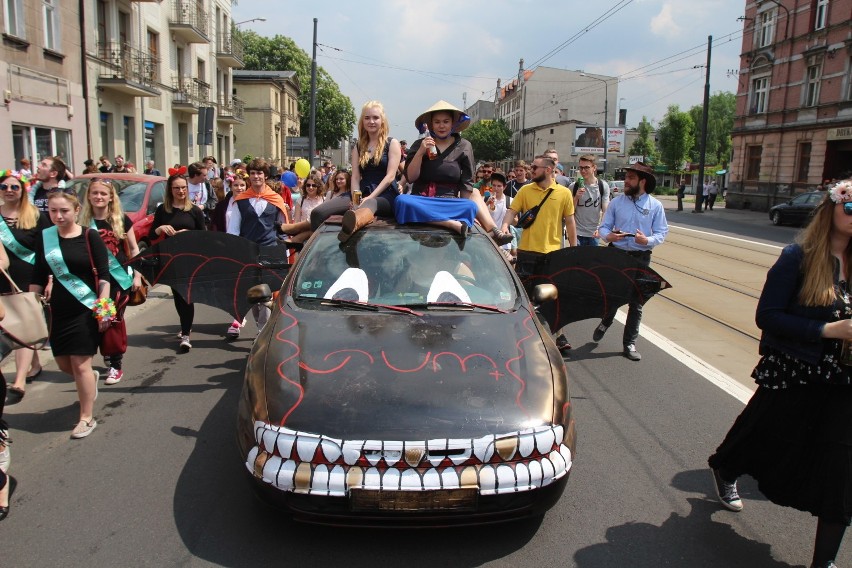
x=491 y=140
x=720 y=121
x=335 y=116
x=676 y=137
x=644 y=143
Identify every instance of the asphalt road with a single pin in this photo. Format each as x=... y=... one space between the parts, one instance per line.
x=159 y=482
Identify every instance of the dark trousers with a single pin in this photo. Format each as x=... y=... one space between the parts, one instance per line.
x=711 y=200
x=186 y=312
x=634 y=307
x=679 y=202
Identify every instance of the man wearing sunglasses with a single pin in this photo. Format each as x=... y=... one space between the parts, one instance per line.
x=634 y=222
x=51 y=175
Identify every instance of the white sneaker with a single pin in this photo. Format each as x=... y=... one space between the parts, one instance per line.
x=234 y=331
x=83 y=428
x=184 y=343
x=114 y=376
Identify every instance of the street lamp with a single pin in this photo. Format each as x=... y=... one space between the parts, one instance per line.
x=606 y=112
x=247 y=21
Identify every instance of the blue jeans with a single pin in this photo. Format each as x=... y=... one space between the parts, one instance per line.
x=587 y=241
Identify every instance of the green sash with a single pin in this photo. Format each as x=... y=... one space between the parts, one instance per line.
x=71 y=282
x=11 y=243
x=122 y=276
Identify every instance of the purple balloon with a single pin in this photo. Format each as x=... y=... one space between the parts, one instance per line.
x=290 y=179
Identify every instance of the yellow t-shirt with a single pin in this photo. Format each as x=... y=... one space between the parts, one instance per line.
x=545 y=235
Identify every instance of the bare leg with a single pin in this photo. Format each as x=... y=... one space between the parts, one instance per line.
x=296 y=228
x=24 y=359
x=482 y=213
x=84 y=377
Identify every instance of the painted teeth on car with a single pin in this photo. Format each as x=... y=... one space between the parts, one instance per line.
x=512 y=462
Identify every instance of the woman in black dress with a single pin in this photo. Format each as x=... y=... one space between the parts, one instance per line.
x=174 y=215
x=102 y=211
x=795 y=435
x=67 y=268
x=20 y=226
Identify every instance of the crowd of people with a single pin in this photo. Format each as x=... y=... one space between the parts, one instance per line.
x=76 y=255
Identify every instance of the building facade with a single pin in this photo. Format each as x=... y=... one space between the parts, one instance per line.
x=121 y=77
x=793 y=124
x=480 y=110
x=271 y=114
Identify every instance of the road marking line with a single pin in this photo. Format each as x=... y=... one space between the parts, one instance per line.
x=690 y=360
x=726 y=237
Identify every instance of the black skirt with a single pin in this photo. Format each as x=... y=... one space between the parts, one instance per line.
x=797 y=443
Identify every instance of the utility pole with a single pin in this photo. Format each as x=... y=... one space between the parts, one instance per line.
x=699 y=190
x=312 y=131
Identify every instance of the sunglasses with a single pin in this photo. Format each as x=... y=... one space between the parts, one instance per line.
x=7 y=187
x=311 y=185
x=65 y=190
x=847 y=207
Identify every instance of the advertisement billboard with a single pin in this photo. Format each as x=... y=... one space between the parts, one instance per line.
x=588 y=139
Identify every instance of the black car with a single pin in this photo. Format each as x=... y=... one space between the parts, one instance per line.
x=404 y=376
x=797 y=211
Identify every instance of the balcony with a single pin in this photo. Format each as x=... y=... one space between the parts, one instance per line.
x=189 y=94
x=127 y=70
x=190 y=21
x=229 y=50
x=231 y=110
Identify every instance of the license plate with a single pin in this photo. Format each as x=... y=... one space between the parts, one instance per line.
x=437 y=500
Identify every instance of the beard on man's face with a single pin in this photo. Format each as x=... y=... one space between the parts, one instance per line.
x=539 y=178
x=631 y=190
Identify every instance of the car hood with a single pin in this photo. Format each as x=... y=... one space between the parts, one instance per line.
x=382 y=375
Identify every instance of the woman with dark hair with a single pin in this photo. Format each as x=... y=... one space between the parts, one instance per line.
x=795 y=435
x=66 y=271
x=174 y=215
x=21 y=224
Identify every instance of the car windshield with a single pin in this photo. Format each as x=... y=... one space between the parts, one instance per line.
x=131 y=193
x=406 y=267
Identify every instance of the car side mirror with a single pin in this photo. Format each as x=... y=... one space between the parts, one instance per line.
x=544 y=293
x=259 y=294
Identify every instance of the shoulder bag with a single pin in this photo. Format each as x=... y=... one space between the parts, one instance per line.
x=528 y=217
x=27 y=317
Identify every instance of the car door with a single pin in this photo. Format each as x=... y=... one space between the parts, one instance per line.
x=799 y=208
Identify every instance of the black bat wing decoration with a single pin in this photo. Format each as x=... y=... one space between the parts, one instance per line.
x=213 y=268
x=594 y=281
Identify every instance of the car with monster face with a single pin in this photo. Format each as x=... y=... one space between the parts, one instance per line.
x=406 y=377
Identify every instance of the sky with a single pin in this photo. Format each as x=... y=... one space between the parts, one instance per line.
x=410 y=54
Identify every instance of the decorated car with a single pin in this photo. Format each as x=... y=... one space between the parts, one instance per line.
x=406 y=377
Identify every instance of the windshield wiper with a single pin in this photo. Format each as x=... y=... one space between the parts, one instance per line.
x=360 y=305
x=464 y=305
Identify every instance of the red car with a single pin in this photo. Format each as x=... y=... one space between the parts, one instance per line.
x=139 y=194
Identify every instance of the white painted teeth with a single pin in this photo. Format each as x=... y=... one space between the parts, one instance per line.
x=399 y=465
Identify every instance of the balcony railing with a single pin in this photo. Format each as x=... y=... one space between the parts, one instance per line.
x=231 y=109
x=190 y=93
x=230 y=50
x=128 y=69
x=190 y=21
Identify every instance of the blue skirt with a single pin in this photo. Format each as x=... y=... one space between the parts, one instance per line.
x=418 y=209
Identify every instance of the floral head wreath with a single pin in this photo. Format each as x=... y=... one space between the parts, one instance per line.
x=841 y=192
x=177 y=171
x=15 y=174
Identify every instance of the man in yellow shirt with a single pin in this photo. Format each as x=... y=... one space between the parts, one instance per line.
x=555 y=207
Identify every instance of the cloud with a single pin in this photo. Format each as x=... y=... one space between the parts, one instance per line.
x=664 y=23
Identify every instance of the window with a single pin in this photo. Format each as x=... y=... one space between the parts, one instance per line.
x=753 y=162
x=820 y=14
x=766 y=28
x=759 y=95
x=14 y=16
x=51 y=25
x=803 y=162
x=154 y=50
x=812 y=85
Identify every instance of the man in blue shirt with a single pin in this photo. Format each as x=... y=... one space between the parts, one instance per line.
x=634 y=222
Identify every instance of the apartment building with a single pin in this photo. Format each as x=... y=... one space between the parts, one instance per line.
x=793 y=124
x=271 y=114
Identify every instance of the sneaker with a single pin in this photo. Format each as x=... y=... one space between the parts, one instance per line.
x=562 y=343
x=83 y=428
x=97 y=378
x=631 y=353
x=726 y=492
x=500 y=237
x=599 y=332
x=234 y=331
x=114 y=376
x=184 y=343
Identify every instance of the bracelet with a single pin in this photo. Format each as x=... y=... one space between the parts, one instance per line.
x=104 y=309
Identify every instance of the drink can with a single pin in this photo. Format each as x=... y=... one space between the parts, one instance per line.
x=356 y=197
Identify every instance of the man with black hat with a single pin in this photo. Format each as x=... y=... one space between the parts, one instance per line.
x=634 y=222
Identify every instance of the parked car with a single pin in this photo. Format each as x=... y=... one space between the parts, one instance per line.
x=616 y=186
x=406 y=377
x=797 y=211
x=139 y=195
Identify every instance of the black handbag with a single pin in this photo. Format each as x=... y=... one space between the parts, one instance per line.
x=528 y=217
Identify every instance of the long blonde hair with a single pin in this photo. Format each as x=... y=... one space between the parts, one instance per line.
x=818 y=264
x=364 y=154
x=114 y=216
x=28 y=214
